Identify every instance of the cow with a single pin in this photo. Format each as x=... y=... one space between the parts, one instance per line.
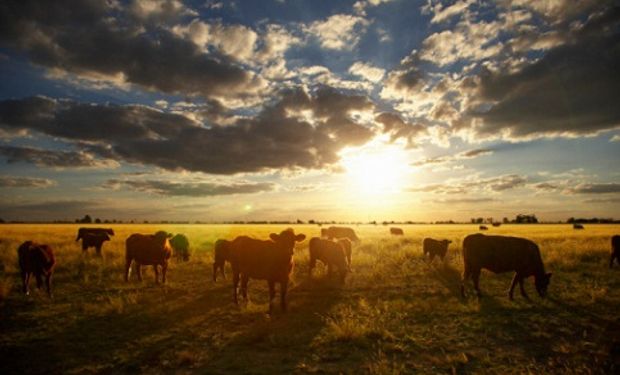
x=483 y=227
x=346 y=245
x=221 y=255
x=501 y=254
x=396 y=231
x=83 y=230
x=94 y=239
x=147 y=250
x=339 y=232
x=330 y=253
x=615 y=250
x=577 y=226
x=270 y=260
x=37 y=259
x=497 y=224
x=180 y=246
x=435 y=248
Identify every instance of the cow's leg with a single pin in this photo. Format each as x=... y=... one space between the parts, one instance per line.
x=235 y=286
x=515 y=278
x=475 y=275
x=614 y=255
x=156 y=270
x=272 y=293
x=37 y=274
x=25 y=282
x=244 y=287
x=84 y=247
x=48 y=283
x=164 y=269
x=432 y=256
x=98 y=249
x=522 y=288
x=283 y=290
x=215 y=272
x=127 y=269
x=222 y=266
x=466 y=276
x=139 y=271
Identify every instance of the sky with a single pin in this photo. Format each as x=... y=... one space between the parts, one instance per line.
x=325 y=110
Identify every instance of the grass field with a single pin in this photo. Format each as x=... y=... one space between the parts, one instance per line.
x=396 y=313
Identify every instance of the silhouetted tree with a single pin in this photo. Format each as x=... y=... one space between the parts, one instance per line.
x=98 y=220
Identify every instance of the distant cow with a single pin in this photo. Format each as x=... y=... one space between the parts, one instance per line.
x=147 y=250
x=577 y=226
x=435 y=248
x=339 y=232
x=221 y=255
x=270 y=260
x=346 y=245
x=501 y=254
x=396 y=231
x=483 y=227
x=38 y=259
x=82 y=231
x=94 y=239
x=330 y=253
x=497 y=224
x=615 y=250
x=180 y=247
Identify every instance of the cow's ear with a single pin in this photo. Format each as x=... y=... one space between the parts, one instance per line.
x=300 y=237
x=274 y=236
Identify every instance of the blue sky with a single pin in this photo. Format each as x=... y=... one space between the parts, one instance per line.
x=325 y=110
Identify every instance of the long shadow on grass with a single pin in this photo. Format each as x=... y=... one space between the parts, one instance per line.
x=281 y=343
x=449 y=277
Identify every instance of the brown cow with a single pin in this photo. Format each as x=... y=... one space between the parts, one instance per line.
x=339 y=232
x=483 y=227
x=94 y=239
x=83 y=230
x=435 y=248
x=147 y=249
x=221 y=255
x=396 y=231
x=38 y=259
x=330 y=253
x=270 y=260
x=615 y=250
x=577 y=226
x=501 y=254
x=346 y=245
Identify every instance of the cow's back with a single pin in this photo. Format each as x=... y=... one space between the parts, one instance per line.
x=501 y=253
x=145 y=250
x=259 y=259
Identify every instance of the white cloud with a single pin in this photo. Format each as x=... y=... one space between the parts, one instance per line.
x=234 y=40
x=367 y=71
x=340 y=31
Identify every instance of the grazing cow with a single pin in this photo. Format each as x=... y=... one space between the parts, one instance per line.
x=270 y=260
x=147 y=250
x=339 y=232
x=577 y=226
x=221 y=256
x=435 y=247
x=396 y=231
x=346 y=245
x=180 y=246
x=82 y=231
x=330 y=253
x=483 y=227
x=38 y=259
x=501 y=254
x=615 y=250
x=497 y=224
x=94 y=239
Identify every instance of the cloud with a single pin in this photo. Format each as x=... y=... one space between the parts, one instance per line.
x=397 y=128
x=94 y=39
x=595 y=188
x=190 y=189
x=443 y=13
x=470 y=154
x=367 y=71
x=465 y=200
x=469 y=185
x=25 y=182
x=340 y=31
x=54 y=159
x=273 y=139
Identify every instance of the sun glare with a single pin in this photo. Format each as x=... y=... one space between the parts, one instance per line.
x=381 y=170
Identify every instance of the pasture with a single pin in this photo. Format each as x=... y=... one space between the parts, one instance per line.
x=396 y=312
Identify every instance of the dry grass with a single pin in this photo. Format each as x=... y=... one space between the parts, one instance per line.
x=397 y=313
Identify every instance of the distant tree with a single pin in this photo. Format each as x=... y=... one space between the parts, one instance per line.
x=490 y=220
x=86 y=219
x=505 y=220
x=300 y=221
x=311 y=221
x=98 y=221
x=2 y=221
x=479 y=220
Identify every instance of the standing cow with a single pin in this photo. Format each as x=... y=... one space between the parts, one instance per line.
x=221 y=255
x=330 y=253
x=339 y=232
x=147 y=250
x=396 y=231
x=82 y=231
x=346 y=245
x=270 y=260
x=180 y=247
x=501 y=254
x=94 y=239
x=435 y=248
x=615 y=250
x=38 y=259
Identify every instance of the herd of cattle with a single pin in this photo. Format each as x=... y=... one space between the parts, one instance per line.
x=272 y=259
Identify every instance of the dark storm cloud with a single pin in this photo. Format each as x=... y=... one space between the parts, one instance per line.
x=397 y=128
x=94 y=38
x=572 y=89
x=190 y=189
x=140 y=134
x=54 y=159
x=25 y=182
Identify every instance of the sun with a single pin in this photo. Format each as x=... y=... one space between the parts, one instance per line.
x=379 y=170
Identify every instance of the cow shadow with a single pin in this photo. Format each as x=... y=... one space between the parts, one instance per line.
x=448 y=276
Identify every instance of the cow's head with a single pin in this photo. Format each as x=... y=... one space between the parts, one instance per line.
x=286 y=239
x=542 y=283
